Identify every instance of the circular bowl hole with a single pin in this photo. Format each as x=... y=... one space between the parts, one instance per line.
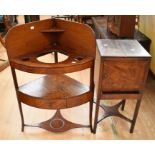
x=49 y=58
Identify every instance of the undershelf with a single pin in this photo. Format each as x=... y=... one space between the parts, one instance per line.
x=54 y=92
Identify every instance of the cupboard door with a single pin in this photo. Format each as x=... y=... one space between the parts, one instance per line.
x=124 y=74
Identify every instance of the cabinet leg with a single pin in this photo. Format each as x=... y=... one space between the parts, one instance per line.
x=91 y=114
x=135 y=115
x=96 y=115
x=123 y=105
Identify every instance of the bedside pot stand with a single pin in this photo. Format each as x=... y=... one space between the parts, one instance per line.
x=121 y=70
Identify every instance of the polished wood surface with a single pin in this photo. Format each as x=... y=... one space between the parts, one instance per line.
x=17 y=45
x=23 y=52
x=110 y=128
x=31 y=31
x=54 y=91
x=126 y=74
x=59 y=124
x=120 y=77
x=121 y=59
x=31 y=64
x=54 y=30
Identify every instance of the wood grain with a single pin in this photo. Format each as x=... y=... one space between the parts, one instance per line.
x=122 y=25
x=55 y=90
x=122 y=75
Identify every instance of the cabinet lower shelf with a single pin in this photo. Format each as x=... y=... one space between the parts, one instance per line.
x=54 y=92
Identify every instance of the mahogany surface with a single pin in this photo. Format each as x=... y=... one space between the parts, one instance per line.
x=54 y=92
x=118 y=73
x=59 y=124
x=122 y=72
x=26 y=43
x=29 y=63
x=81 y=40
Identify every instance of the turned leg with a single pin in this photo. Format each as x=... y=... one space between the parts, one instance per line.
x=123 y=105
x=90 y=114
x=135 y=115
x=96 y=114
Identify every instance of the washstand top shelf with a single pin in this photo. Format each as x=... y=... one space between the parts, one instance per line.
x=53 y=30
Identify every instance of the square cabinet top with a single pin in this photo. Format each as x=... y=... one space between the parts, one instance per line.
x=121 y=48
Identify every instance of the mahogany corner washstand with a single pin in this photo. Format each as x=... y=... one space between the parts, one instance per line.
x=121 y=70
x=26 y=43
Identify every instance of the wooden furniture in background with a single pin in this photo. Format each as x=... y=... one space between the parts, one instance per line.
x=31 y=18
x=5 y=24
x=121 y=72
x=100 y=28
x=3 y=63
x=27 y=43
x=123 y=26
x=65 y=17
x=86 y=19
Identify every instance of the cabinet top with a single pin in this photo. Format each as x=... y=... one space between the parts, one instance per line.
x=121 y=48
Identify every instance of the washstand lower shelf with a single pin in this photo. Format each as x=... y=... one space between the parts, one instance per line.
x=55 y=92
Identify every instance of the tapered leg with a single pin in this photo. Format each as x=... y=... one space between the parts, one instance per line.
x=91 y=114
x=21 y=115
x=135 y=115
x=123 y=105
x=19 y=103
x=92 y=85
x=96 y=114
